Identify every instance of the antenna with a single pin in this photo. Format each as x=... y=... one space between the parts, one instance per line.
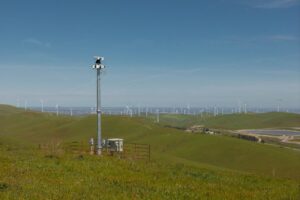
x=99 y=67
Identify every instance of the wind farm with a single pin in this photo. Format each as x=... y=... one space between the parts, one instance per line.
x=194 y=100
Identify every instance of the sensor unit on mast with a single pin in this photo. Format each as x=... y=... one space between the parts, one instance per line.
x=98 y=64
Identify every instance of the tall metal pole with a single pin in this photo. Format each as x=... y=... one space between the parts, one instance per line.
x=99 y=112
x=98 y=66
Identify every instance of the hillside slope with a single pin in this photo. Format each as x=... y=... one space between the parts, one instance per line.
x=167 y=144
x=233 y=121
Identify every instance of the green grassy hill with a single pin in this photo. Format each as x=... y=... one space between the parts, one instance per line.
x=183 y=166
x=233 y=121
x=8 y=110
x=167 y=144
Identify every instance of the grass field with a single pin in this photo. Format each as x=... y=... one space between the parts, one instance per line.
x=33 y=175
x=184 y=165
x=233 y=121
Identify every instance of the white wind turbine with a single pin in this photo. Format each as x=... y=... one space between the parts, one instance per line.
x=139 y=110
x=25 y=105
x=127 y=110
x=188 y=108
x=56 y=109
x=278 y=105
x=42 y=105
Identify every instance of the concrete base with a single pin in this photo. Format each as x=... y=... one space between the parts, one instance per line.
x=92 y=150
x=99 y=152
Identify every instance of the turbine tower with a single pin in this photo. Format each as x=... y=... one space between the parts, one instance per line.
x=99 y=67
x=278 y=105
x=56 y=109
x=42 y=104
x=25 y=105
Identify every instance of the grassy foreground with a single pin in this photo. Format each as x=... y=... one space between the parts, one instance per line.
x=30 y=174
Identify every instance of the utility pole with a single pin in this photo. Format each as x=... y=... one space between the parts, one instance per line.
x=99 y=67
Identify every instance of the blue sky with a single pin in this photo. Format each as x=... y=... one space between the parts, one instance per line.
x=158 y=53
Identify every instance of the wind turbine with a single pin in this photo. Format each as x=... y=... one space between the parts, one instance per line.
x=188 y=108
x=42 y=104
x=56 y=109
x=239 y=106
x=139 y=110
x=25 y=105
x=128 y=110
x=215 y=111
x=278 y=105
x=131 y=112
x=157 y=115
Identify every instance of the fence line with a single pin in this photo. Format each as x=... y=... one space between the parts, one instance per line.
x=133 y=151
x=137 y=151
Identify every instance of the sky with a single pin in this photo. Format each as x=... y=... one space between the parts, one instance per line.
x=157 y=53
